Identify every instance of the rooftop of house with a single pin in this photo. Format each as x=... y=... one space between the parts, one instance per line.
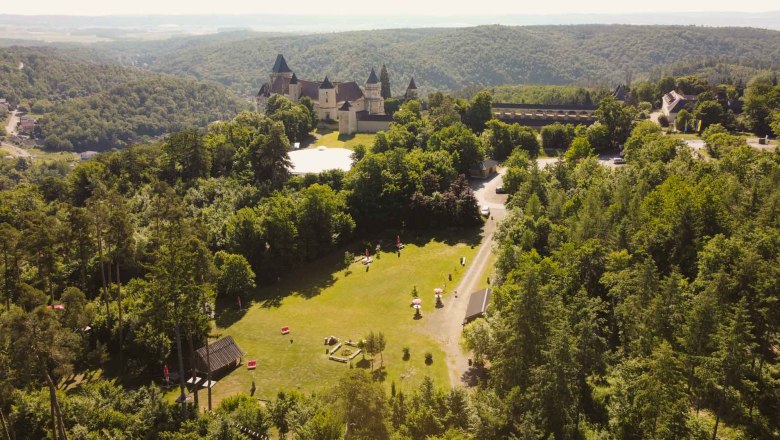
x=545 y=106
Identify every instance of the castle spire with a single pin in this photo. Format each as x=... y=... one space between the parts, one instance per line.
x=412 y=85
x=326 y=84
x=372 y=79
x=280 y=65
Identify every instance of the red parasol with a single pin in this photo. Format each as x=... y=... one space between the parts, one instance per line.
x=366 y=252
x=417 y=301
x=165 y=372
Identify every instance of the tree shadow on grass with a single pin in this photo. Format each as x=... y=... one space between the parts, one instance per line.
x=418 y=237
x=313 y=277
x=363 y=363
x=380 y=374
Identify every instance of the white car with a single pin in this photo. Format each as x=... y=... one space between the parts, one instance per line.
x=484 y=211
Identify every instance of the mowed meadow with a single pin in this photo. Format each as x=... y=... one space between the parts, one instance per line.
x=322 y=299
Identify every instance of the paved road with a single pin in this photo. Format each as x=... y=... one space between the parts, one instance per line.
x=446 y=324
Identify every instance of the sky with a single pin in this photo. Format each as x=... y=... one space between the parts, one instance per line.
x=364 y=7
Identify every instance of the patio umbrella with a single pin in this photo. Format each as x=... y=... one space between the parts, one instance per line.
x=438 y=290
x=416 y=301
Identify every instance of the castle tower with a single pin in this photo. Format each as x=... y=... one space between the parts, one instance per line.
x=347 y=119
x=295 y=89
x=374 y=102
x=411 y=90
x=327 y=101
x=280 y=69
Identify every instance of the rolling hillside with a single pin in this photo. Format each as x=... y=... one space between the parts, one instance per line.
x=451 y=59
x=84 y=104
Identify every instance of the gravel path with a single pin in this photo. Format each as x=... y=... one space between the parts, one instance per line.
x=446 y=324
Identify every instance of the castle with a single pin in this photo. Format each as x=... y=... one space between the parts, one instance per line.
x=356 y=109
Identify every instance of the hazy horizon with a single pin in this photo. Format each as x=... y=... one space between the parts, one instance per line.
x=97 y=28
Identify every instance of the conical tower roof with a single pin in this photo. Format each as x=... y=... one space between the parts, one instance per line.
x=280 y=65
x=294 y=79
x=372 y=79
x=412 y=85
x=345 y=106
x=326 y=84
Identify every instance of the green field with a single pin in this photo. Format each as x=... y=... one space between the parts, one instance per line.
x=331 y=138
x=320 y=300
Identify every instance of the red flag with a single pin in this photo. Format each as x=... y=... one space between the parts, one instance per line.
x=165 y=372
x=397 y=239
x=239 y=301
x=366 y=252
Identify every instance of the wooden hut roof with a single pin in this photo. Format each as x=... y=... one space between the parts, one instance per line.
x=478 y=303
x=222 y=353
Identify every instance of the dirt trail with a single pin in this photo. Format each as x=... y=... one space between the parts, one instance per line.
x=10 y=128
x=446 y=324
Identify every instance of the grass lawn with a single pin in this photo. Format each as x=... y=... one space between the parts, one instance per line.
x=320 y=300
x=332 y=138
x=685 y=136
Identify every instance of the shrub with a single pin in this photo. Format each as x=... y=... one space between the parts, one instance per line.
x=428 y=358
x=663 y=120
x=406 y=353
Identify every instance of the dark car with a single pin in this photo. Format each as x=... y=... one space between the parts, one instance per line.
x=500 y=190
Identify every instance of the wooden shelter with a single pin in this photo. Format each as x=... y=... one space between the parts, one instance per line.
x=478 y=303
x=224 y=353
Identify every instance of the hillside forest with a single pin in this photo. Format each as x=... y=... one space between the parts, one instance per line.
x=630 y=302
x=639 y=301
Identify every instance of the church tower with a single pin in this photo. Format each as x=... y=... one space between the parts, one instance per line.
x=375 y=105
x=327 y=104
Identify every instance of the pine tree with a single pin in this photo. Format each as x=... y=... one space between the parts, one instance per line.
x=731 y=360
x=384 y=79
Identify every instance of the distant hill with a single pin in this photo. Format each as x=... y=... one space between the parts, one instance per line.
x=452 y=59
x=57 y=74
x=98 y=106
x=150 y=106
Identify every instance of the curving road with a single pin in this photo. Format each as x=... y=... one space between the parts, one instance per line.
x=446 y=324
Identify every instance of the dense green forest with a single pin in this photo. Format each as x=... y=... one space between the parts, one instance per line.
x=149 y=106
x=99 y=106
x=451 y=59
x=547 y=94
x=57 y=74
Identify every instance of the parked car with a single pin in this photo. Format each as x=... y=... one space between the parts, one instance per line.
x=484 y=211
x=618 y=161
x=500 y=190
